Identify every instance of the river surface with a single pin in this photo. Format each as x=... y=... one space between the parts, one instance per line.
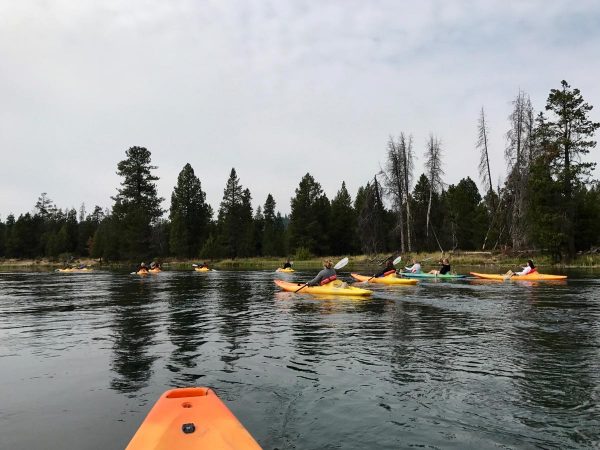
x=460 y=365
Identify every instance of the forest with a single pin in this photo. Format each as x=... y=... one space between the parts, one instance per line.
x=548 y=203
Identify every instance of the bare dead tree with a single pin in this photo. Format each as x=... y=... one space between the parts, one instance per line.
x=394 y=181
x=408 y=163
x=518 y=155
x=433 y=166
x=484 y=159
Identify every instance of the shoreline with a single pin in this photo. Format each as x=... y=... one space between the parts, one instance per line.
x=457 y=259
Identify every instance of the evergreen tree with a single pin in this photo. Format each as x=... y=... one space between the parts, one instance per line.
x=137 y=205
x=372 y=220
x=235 y=219
x=309 y=219
x=571 y=133
x=190 y=215
x=467 y=215
x=343 y=223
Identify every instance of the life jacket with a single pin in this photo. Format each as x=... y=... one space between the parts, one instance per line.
x=389 y=272
x=532 y=271
x=324 y=281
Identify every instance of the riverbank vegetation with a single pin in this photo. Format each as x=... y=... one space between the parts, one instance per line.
x=548 y=206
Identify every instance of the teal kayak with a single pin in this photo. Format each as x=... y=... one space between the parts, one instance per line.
x=431 y=275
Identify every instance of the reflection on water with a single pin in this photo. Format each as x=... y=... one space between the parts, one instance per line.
x=462 y=364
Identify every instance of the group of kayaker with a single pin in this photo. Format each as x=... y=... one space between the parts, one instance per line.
x=143 y=268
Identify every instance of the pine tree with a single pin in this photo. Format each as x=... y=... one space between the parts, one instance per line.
x=343 y=223
x=571 y=133
x=309 y=219
x=234 y=219
x=190 y=215
x=137 y=205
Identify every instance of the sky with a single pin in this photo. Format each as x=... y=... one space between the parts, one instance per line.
x=275 y=89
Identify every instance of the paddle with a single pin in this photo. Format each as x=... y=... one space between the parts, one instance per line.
x=396 y=261
x=508 y=275
x=341 y=263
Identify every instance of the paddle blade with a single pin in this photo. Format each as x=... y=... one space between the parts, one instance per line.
x=397 y=260
x=341 y=263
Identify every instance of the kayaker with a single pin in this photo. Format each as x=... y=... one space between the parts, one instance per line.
x=415 y=268
x=325 y=276
x=529 y=268
x=445 y=269
x=387 y=270
x=287 y=264
x=201 y=266
x=142 y=267
x=154 y=265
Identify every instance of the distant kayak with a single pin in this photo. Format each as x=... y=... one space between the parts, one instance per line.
x=202 y=269
x=432 y=275
x=191 y=418
x=141 y=273
x=390 y=279
x=75 y=270
x=286 y=270
x=155 y=270
x=530 y=277
x=336 y=287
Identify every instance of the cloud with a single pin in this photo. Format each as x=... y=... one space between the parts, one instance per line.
x=275 y=89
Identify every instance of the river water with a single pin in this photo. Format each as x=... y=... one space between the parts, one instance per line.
x=461 y=365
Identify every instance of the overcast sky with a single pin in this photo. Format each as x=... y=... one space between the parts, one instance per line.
x=274 y=89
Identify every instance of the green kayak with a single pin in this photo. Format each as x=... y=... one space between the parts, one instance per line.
x=448 y=276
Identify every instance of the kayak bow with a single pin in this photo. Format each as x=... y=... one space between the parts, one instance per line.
x=191 y=418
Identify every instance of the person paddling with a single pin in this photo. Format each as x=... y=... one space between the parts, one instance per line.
x=387 y=270
x=529 y=268
x=142 y=267
x=327 y=275
x=287 y=264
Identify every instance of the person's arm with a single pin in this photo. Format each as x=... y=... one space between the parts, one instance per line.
x=525 y=271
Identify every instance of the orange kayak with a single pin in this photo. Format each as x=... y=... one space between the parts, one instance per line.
x=191 y=418
x=531 y=277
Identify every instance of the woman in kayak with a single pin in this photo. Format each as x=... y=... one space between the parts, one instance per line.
x=529 y=268
x=415 y=268
x=387 y=270
x=325 y=276
x=445 y=269
x=142 y=268
x=287 y=264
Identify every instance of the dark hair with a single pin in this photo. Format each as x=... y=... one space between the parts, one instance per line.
x=530 y=263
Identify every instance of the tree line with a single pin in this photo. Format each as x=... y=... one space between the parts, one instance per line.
x=547 y=202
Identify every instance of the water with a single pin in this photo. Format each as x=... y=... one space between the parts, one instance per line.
x=440 y=365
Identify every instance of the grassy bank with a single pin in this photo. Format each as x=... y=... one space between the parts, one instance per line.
x=457 y=259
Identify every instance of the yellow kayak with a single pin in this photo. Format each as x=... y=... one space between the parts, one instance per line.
x=202 y=269
x=286 y=270
x=530 y=277
x=336 y=287
x=191 y=419
x=155 y=270
x=389 y=279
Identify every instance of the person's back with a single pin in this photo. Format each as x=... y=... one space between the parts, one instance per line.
x=325 y=276
x=287 y=265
